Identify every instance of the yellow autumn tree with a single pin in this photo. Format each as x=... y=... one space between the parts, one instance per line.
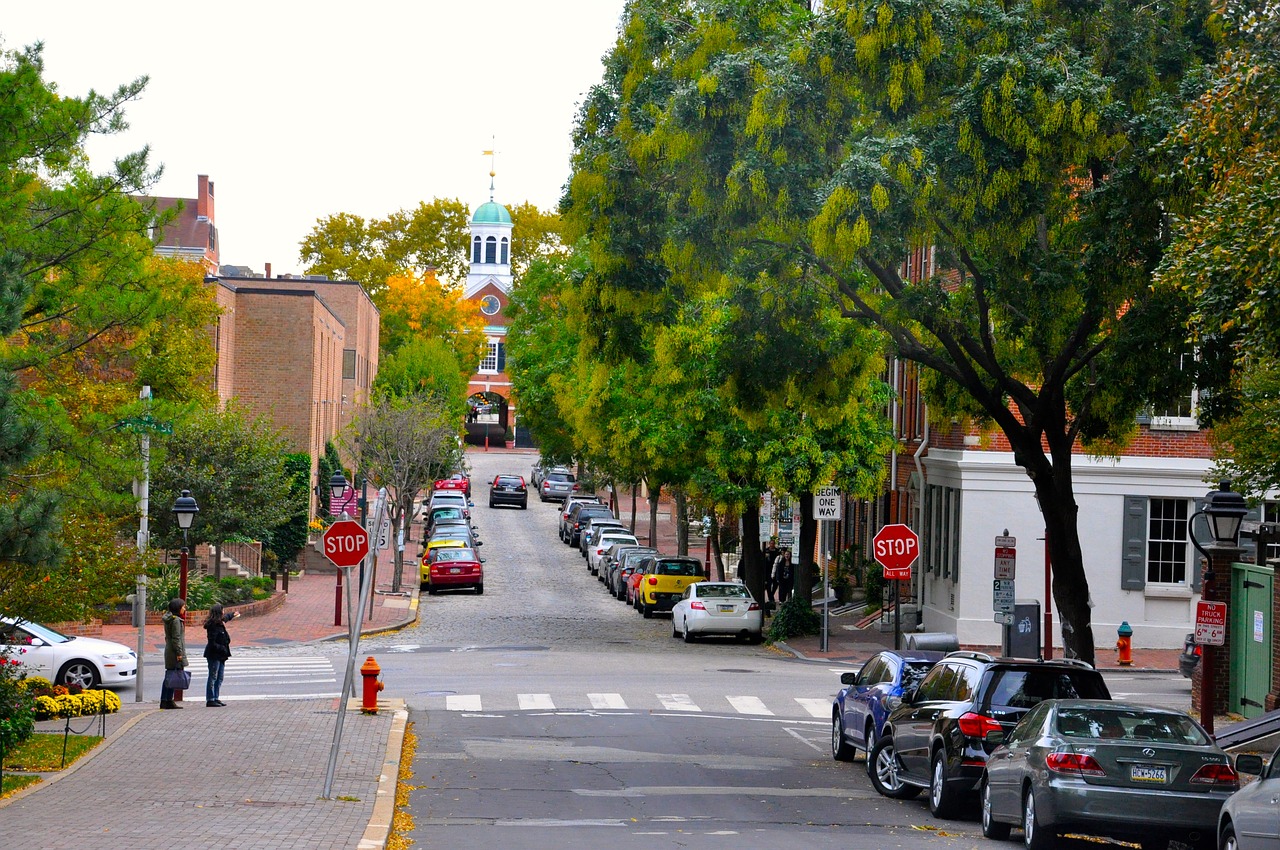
x=419 y=307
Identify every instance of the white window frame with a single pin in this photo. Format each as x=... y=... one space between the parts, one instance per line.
x=1177 y=543
x=1190 y=422
x=489 y=363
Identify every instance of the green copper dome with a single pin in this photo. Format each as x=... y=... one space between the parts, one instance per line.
x=491 y=212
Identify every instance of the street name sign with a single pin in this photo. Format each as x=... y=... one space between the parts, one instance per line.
x=345 y=543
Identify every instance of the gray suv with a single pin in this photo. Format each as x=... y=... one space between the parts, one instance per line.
x=556 y=485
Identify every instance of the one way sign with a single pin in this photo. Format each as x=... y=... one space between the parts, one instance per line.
x=826 y=503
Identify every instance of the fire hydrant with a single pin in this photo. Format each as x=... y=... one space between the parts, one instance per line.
x=1124 y=645
x=370 y=671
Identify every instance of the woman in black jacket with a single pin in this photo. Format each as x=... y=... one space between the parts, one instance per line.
x=217 y=650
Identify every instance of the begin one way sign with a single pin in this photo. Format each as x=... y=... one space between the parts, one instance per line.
x=826 y=503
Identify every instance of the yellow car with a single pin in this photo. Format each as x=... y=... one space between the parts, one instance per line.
x=664 y=580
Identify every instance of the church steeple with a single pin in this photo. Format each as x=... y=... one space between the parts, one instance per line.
x=490 y=242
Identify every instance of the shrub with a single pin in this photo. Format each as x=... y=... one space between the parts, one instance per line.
x=17 y=709
x=51 y=701
x=794 y=617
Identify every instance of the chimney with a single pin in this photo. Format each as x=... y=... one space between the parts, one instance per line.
x=268 y=274
x=204 y=198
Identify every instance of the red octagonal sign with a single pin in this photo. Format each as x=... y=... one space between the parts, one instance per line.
x=345 y=543
x=895 y=547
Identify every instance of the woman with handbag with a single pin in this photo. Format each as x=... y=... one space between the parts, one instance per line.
x=176 y=677
x=217 y=650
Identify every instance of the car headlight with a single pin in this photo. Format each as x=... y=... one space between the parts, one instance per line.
x=120 y=656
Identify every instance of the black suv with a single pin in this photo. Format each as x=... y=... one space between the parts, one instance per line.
x=937 y=738
x=578 y=514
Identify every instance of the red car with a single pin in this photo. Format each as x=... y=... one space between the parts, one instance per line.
x=456 y=481
x=454 y=568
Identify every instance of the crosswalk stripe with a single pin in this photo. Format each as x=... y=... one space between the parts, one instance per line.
x=815 y=707
x=528 y=701
x=677 y=702
x=462 y=702
x=749 y=705
x=607 y=701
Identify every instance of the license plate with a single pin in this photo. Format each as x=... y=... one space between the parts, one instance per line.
x=725 y=609
x=1148 y=773
x=454 y=570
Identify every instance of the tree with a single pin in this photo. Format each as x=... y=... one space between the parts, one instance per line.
x=404 y=443
x=424 y=367
x=1018 y=139
x=421 y=307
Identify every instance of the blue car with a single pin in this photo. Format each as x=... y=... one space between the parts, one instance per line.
x=860 y=708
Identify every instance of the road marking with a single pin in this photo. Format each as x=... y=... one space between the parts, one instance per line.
x=607 y=701
x=815 y=707
x=802 y=739
x=677 y=702
x=463 y=702
x=542 y=701
x=749 y=705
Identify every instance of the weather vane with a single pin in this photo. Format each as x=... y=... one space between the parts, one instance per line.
x=493 y=171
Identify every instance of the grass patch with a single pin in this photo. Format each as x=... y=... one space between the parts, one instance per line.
x=16 y=782
x=43 y=752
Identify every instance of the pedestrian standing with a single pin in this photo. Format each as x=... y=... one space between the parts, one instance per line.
x=770 y=555
x=217 y=649
x=175 y=647
x=783 y=575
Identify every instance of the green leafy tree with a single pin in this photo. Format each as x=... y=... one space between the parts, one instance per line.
x=287 y=539
x=424 y=367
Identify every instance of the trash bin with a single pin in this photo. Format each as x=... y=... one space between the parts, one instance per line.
x=1022 y=639
x=940 y=641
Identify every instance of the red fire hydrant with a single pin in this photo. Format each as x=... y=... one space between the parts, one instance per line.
x=1124 y=645
x=370 y=671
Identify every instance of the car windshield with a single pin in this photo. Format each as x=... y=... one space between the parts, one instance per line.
x=1114 y=724
x=1021 y=688
x=46 y=634
x=679 y=568
x=721 y=591
x=455 y=555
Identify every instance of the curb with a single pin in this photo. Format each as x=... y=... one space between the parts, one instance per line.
x=384 y=806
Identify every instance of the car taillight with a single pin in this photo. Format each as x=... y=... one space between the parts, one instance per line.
x=1083 y=765
x=754 y=606
x=1223 y=775
x=697 y=606
x=977 y=725
x=575 y=488
x=653 y=579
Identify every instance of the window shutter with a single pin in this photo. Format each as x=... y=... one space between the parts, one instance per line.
x=1133 y=558
x=502 y=357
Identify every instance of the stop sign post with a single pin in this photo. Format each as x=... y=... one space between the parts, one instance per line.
x=895 y=547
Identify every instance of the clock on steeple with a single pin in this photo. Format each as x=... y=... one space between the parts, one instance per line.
x=490 y=304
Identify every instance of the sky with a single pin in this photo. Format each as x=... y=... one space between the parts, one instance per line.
x=298 y=111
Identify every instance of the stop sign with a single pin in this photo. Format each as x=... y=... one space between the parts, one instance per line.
x=345 y=543
x=895 y=547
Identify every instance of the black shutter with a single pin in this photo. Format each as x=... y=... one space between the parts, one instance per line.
x=502 y=357
x=1133 y=559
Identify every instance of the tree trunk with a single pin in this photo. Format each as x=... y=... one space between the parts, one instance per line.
x=682 y=523
x=634 y=488
x=217 y=561
x=714 y=540
x=751 y=567
x=655 y=490
x=804 y=570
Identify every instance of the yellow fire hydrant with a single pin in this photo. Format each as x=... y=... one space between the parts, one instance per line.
x=1125 y=644
x=372 y=685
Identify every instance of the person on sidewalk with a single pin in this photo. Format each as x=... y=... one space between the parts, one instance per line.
x=770 y=551
x=175 y=647
x=783 y=575
x=217 y=649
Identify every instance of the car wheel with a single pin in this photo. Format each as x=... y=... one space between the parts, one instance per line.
x=646 y=610
x=1228 y=841
x=942 y=797
x=991 y=828
x=524 y=506
x=1035 y=835
x=675 y=630
x=688 y=635
x=840 y=748
x=479 y=589
x=78 y=672
x=431 y=591
x=871 y=739
x=491 y=504
x=885 y=776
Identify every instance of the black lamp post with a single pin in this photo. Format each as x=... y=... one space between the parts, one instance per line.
x=1225 y=510
x=337 y=489
x=184 y=510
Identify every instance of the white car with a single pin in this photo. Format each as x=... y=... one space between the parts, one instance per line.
x=451 y=498
x=64 y=659
x=607 y=539
x=717 y=608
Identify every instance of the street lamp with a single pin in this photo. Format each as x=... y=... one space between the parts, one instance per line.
x=337 y=488
x=184 y=510
x=1224 y=509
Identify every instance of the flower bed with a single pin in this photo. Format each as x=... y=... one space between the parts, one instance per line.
x=57 y=701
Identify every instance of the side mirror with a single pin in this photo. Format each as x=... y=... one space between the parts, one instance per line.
x=995 y=736
x=479 y=543
x=483 y=561
x=908 y=696
x=848 y=678
x=1249 y=763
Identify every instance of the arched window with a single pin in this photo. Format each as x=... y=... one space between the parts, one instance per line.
x=491 y=250
x=504 y=251
x=475 y=250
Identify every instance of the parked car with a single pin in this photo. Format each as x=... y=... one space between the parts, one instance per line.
x=937 y=741
x=453 y=498
x=456 y=481
x=508 y=490
x=556 y=485
x=603 y=539
x=860 y=707
x=593 y=526
x=1190 y=657
x=454 y=568
x=1103 y=768
x=616 y=558
x=663 y=581
x=717 y=608
x=566 y=509
x=1250 y=820
x=66 y=659
x=578 y=516
x=443 y=513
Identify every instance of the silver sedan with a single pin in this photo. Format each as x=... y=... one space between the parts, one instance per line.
x=717 y=608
